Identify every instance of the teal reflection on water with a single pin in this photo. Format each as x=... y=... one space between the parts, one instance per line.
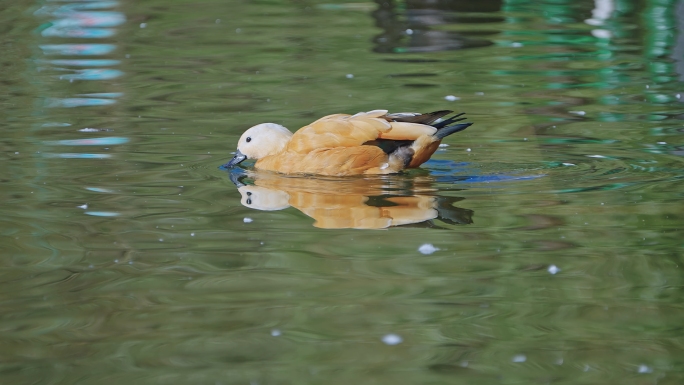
x=91 y=33
x=89 y=142
x=77 y=156
x=77 y=49
x=85 y=62
x=101 y=214
x=93 y=74
x=77 y=102
x=111 y=95
x=100 y=190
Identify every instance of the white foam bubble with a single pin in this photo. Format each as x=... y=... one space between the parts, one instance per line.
x=519 y=358
x=427 y=248
x=392 y=339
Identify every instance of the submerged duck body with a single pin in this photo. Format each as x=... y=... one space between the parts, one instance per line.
x=374 y=142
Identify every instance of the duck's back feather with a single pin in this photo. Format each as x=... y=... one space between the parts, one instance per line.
x=341 y=130
x=337 y=131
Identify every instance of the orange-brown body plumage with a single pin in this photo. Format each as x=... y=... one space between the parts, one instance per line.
x=373 y=142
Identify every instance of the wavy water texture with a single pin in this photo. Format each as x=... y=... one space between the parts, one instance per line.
x=543 y=243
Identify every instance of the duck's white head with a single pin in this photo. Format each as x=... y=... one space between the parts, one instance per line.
x=260 y=141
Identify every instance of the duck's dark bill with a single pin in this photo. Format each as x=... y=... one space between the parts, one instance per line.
x=237 y=159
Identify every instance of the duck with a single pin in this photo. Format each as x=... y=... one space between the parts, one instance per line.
x=367 y=143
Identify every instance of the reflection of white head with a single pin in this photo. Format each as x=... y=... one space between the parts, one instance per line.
x=261 y=198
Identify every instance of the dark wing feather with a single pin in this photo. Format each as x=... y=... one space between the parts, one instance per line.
x=412 y=117
x=388 y=146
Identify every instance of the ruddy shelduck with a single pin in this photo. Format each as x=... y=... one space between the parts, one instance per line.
x=373 y=142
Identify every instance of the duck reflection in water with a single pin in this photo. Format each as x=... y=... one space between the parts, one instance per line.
x=418 y=25
x=359 y=203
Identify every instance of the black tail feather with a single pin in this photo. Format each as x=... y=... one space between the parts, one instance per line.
x=447 y=122
x=444 y=128
x=448 y=130
x=427 y=118
x=430 y=118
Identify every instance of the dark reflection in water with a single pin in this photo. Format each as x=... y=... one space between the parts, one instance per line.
x=678 y=51
x=411 y=27
x=359 y=203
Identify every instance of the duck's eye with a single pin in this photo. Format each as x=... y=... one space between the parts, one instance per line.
x=248 y=139
x=249 y=201
x=249 y=194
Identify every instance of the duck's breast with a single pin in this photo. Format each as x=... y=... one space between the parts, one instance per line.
x=340 y=161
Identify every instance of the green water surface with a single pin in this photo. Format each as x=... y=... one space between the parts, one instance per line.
x=127 y=257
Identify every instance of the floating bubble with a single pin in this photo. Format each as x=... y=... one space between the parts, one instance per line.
x=519 y=358
x=392 y=339
x=427 y=248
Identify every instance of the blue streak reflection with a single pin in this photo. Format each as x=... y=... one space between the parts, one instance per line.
x=77 y=49
x=78 y=156
x=110 y=141
x=77 y=102
x=85 y=62
x=93 y=74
